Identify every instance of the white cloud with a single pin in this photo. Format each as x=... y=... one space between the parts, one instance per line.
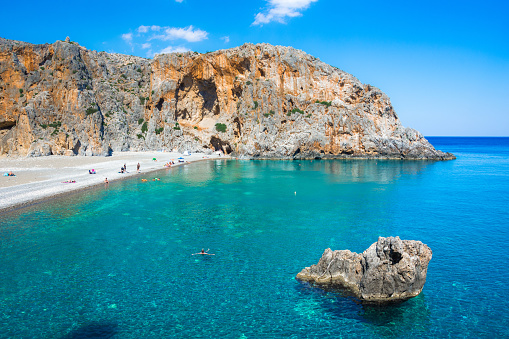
x=152 y=39
x=127 y=37
x=279 y=10
x=187 y=33
x=226 y=39
x=143 y=29
x=172 y=49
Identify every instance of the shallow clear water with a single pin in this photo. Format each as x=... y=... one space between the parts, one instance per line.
x=116 y=262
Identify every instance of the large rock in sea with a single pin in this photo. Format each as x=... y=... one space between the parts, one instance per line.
x=252 y=101
x=390 y=270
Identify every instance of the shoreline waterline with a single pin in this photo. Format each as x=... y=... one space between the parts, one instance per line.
x=37 y=185
x=33 y=186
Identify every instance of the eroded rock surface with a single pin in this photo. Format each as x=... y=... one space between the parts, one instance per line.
x=256 y=101
x=390 y=270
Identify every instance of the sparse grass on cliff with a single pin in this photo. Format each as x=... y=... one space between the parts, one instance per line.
x=326 y=103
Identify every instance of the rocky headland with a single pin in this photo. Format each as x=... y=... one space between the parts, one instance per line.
x=253 y=101
x=390 y=270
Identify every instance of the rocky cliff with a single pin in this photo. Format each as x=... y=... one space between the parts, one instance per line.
x=257 y=101
x=390 y=270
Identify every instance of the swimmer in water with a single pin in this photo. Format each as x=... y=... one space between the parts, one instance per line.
x=203 y=252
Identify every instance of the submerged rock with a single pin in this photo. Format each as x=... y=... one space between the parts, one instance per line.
x=390 y=270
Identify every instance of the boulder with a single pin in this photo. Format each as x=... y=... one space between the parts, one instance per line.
x=390 y=270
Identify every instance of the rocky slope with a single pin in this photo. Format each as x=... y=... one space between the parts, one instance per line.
x=390 y=270
x=257 y=101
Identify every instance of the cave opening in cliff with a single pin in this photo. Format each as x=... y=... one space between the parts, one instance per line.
x=7 y=125
x=237 y=131
x=220 y=145
x=208 y=91
x=160 y=103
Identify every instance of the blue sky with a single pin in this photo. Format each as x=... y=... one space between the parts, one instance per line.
x=444 y=64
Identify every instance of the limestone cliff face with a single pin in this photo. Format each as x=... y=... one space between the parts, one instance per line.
x=257 y=101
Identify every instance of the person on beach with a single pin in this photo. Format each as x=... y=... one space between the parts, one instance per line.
x=106 y=181
x=125 y=168
x=138 y=167
x=203 y=252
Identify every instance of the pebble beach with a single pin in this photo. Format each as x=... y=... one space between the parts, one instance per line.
x=39 y=178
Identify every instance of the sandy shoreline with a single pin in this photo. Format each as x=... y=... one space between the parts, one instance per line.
x=43 y=177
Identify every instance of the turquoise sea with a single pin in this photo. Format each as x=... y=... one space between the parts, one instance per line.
x=115 y=262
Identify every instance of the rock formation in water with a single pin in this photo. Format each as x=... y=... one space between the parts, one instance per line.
x=390 y=270
x=256 y=101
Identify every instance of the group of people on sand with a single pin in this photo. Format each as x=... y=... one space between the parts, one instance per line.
x=10 y=174
x=169 y=163
x=123 y=169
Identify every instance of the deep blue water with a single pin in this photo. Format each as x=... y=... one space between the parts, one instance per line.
x=116 y=262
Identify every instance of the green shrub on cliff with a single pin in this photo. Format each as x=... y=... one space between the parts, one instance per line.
x=144 y=127
x=221 y=127
x=91 y=110
x=140 y=121
x=297 y=110
x=56 y=124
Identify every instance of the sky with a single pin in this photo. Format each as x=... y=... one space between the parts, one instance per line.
x=444 y=64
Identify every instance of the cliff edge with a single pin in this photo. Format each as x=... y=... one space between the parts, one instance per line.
x=253 y=101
